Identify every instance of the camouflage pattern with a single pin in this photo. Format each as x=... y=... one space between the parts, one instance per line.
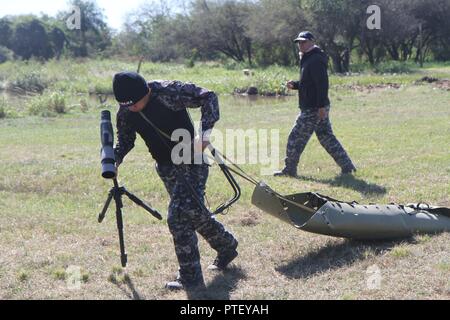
x=306 y=124
x=185 y=217
x=176 y=96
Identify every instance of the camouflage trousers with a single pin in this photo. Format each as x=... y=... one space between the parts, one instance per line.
x=306 y=124
x=185 y=218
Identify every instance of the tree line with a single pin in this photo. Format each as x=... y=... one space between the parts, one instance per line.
x=252 y=32
x=45 y=37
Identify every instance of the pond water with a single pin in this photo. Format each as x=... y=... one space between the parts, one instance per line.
x=235 y=100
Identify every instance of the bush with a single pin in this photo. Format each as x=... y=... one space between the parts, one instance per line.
x=233 y=65
x=5 y=54
x=191 y=59
x=101 y=86
x=270 y=82
x=29 y=81
x=84 y=105
x=58 y=102
x=47 y=105
x=393 y=67
x=189 y=63
x=3 y=108
x=360 y=67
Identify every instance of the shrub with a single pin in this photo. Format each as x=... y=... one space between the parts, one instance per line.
x=101 y=86
x=23 y=276
x=393 y=67
x=270 y=83
x=58 y=103
x=5 y=54
x=233 y=65
x=60 y=274
x=2 y=112
x=84 y=105
x=47 y=105
x=189 y=63
x=29 y=81
x=3 y=108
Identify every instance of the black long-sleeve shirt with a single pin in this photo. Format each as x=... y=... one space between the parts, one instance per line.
x=167 y=111
x=314 y=84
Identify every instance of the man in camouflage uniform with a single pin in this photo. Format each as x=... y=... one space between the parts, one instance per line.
x=315 y=108
x=155 y=110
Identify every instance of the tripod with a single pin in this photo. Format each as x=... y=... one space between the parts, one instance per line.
x=117 y=192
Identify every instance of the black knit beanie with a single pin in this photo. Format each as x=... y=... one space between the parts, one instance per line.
x=129 y=88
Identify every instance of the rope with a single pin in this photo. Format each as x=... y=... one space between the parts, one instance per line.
x=240 y=172
x=250 y=179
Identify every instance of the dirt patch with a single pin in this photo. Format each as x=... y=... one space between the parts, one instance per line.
x=249 y=219
x=370 y=87
x=254 y=91
x=443 y=84
x=428 y=79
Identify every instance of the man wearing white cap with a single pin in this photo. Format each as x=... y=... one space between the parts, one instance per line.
x=315 y=107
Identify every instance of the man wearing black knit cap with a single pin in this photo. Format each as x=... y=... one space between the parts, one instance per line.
x=315 y=107
x=155 y=110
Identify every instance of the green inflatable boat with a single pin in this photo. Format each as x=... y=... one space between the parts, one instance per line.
x=320 y=214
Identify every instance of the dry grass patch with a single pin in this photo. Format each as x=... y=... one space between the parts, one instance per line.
x=51 y=192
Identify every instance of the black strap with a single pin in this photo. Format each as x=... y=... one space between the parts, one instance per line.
x=237 y=191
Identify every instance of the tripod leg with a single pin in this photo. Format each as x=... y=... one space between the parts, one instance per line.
x=123 y=254
x=105 y=207
x=141 y=203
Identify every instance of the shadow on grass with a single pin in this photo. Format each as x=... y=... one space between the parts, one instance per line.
x=221 y=286
x=351 y=182
x=336 y=255
x=128 y=288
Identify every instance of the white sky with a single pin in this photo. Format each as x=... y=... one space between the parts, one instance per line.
x=114 y=10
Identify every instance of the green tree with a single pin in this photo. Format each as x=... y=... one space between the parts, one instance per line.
x=30 y=39
x=272 y=39
x=58 y=40
x=94 y=36
x=154 y=33
x=220 y=27
x=433 y=28
x=337 y=23
x=5 y=32
x=399 y=29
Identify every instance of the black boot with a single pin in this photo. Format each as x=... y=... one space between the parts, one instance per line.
x=180 y=284
x=286 y=173
x=224 y=258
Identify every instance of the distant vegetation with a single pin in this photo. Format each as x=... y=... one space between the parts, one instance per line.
x=247 y=33
x=59 y=87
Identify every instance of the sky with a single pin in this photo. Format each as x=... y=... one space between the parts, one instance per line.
x=114 y=10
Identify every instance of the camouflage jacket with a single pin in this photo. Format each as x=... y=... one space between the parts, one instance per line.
x=176 y=96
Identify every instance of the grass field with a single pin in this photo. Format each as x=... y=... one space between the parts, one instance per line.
x=51 y=192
